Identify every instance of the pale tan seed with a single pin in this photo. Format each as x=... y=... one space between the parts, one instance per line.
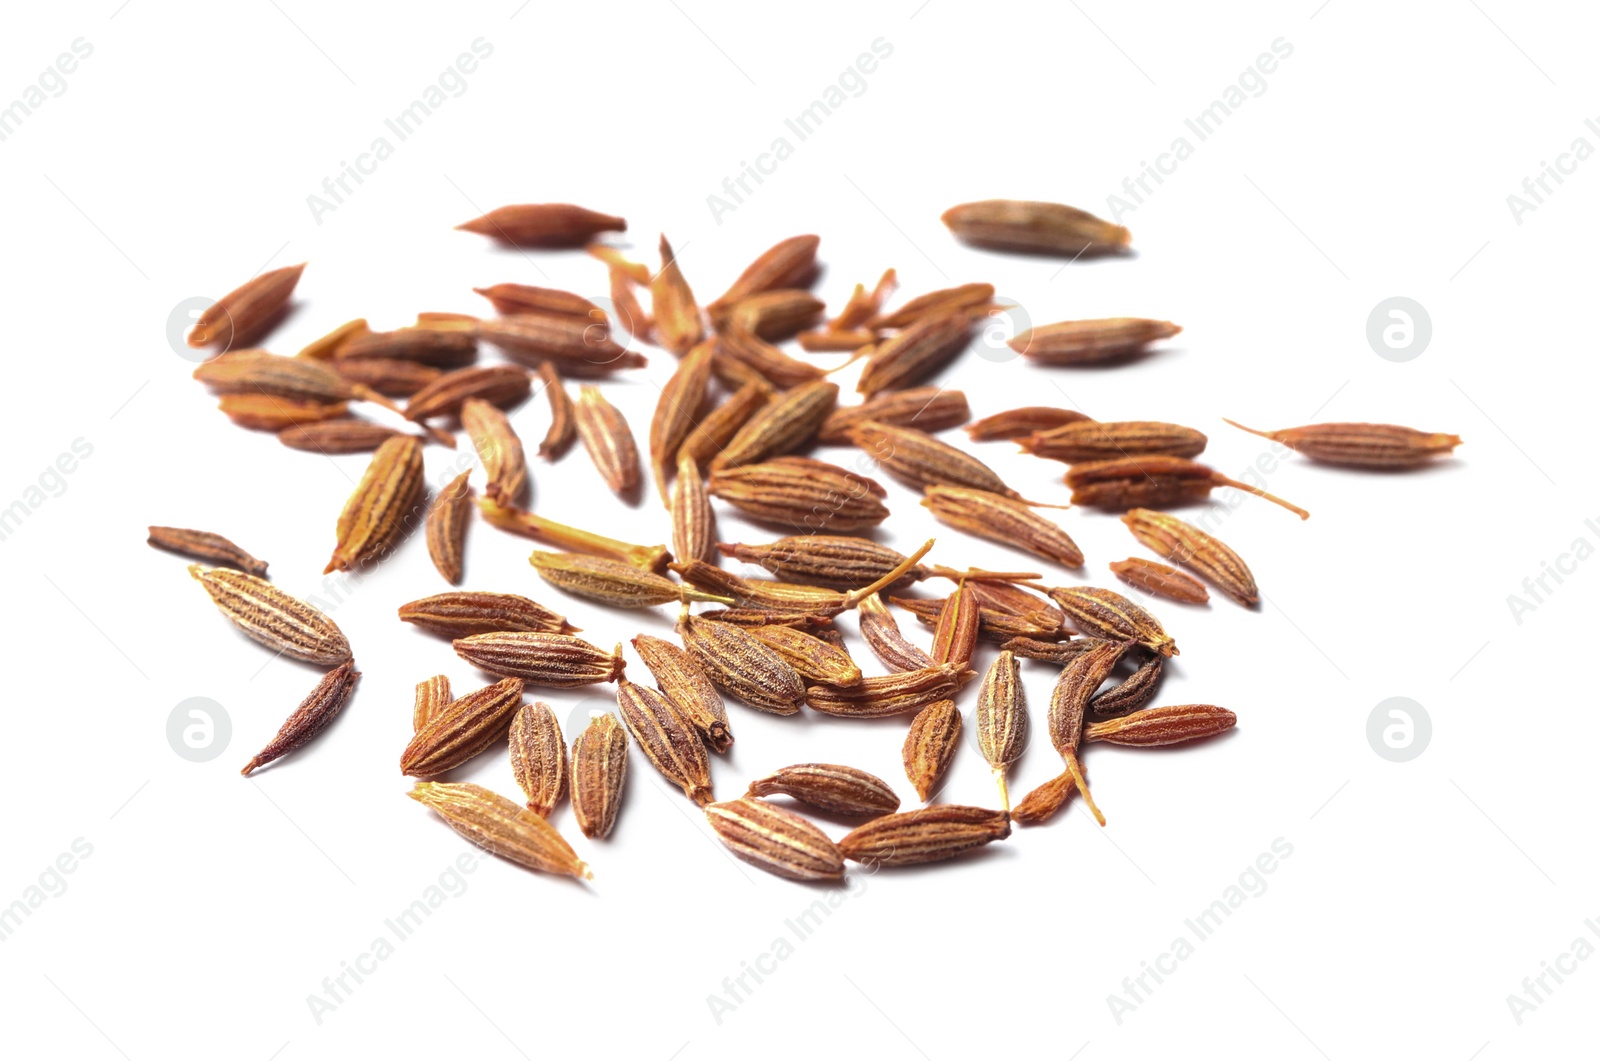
x=543 y=225
x=285 y=624
x=313 y=715
x=683 y=679
x=1160 y=579
x=204 y=545
x=789 y=263
x=575 y=539
x=1107 y=614
x=637 y=272
x=1189 y=546
x=609 y=440
x=826 y=342
x=1087 y=342
x=945 y=302
x=382 y=507
x=1163 y=725
x=258 y=372
x=268 y=412
x=467 y=612
x=889 y=694
x=448 y=517
x=559 y=661
x=1001 y=519
x=1034 y=228
x=781 y=427
x=626 y=311
x=667 y=738
x=882 y=635
x=928 y=834
x=741 y=666
x=776 y=840
x=538 y=756
x=599 y=768
x=681 y=398
x=499 y=448
x=1001 y=718
x=919 y=460
x=336 y=436
x=1044 y=801
x=925 y=408
x=462 y=729
x=694 y=524
x=677 y=315
x=829 y=787
x=930 y=745
x=914 y=354
x=499 y=385
x=1020 y=423
x=563 y=414
x=612 y=582
x=500 y=827
x=432 y=696
x=247 y=312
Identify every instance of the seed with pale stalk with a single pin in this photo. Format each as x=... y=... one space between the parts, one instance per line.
x=828 y=787
x=599 y=768
x=1086 y=342
x=1001 y=519
x=1069 y=700
x=337 y=436
x=1160 y=579
x=467 y=612
x=1001 y=718
x=942 y=303
x=563 y=414
x=914 y=354
x=1108 y=614
x=784 y=425
x=676 y=409
x=1363 y=445
x=668 y=739
x=204 y=545
x=925 y=835
x=684 y=680
x=611 y=581
x=810 y=657
x=448 y=517
x=609 y=440
x=382 y=505
x=924 y=408
x=1153 y=482
x=285 y=624
x=889 y=694
x=803 y=495
x=1098 y=440
x=1163 y=725
x=1020 y=423
x=677 y=315
x=776 y=840
x=318 y=709
x=741 y=666
x=919 y=460
x=432 y=696
x=543 y=225
x=575 y=539
x=498 y=448
x=789 y=263
x=268 y=412
x=525 y=298
x=1034 y=228
x=559 y=661
x=247 y=312
x=538 y=756
x=462 y=729
x=499 y=385
x=882 y=635
x=1188 y=546
x=500 y=827
x=930 y=745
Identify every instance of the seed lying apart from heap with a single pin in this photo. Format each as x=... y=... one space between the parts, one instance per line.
x=204 y=545
x=1161 y=580
x=501 y=827
x=538 y=756
x=285 y=624
x=1035 y=228
x=776 y=840
x=1362 y=445
x=1160 y=481
x=313 y=715
x=247 y=312
x=1002 y=519
x=829 y=787
x=599 y=768
x=1189 y=546
x=381 y=506
x=1163 y=725
x=1086 y=342
x=1098 y=440
x=789 y=263
x=448 y=517
x=925 y=835
x=1107 y=614
x=463 y=729
x=543 y=225
x=684 y=680
x=559 y=661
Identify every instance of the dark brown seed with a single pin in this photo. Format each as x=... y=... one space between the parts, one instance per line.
x=807 y=497
x=1132 y=693
x=1153 y=482
x=776 y=315
x=1058 y=652
x=543 y=225
x=781 y=427
x=437 y=346
x=311 y=717
x=835 y=789
x=1001 y=519
x=396 y=378
x=925 y=835
x=465 y=613
x=1034 y=228
x=203 y=545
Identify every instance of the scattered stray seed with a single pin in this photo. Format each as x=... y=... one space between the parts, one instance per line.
x=1189 y=546
x=599 y=768
x=1035 y=228
x=925 y=835
x=500 y=827
x=543 y=225
x=1086 y=342
x=1161 y=580
x=270 y=616
x=776 y=840
x=448 y=517
x=835 y=789
x=311 y=717
x=1045 y=800
x=1362 y=445
x=203 y=545
x=247 y=312
x=1163 y=725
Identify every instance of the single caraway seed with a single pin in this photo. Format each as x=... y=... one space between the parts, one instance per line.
x=776 y=315
x=337 y=436
x=835 y=789
x=931 y=744
x=1044 y=801
x=609 y=440
x=1058 y=652
x=203 y=545
x=498 y=448
x=1153 y=482
x=742 y=666
x=247 y=312
x=717 y=428
x=538 y=756
x=577 y=347
x=1020 y=423
x=575 y=539
x=1163 y=725
x=1133 y=692
x=436 y=344
x=919 y=460
x=924 y=835
x=382 y=505
x=467 y=612
x=1069 y=700
x=995 y=624
x=500 y=827
x=543 y=225
x=776 y=840
x=1086 y=342
x=1362 y=445
x=612 y=581
x=667 y=738
x=882 y=635
x=327 y=347
x=676 y=409
x=677 y=315
x=599 y=768
x=295 y=379
x=462 y=729
x=694 y=524
x=808 y=496
x=283 y=623
x=1189 y=546
x=840 y=561
x=788 y=596
x=1001 y=718
x=268 y=412
x=524 y=298
x=942 y=303
x=955 y=631
x=789 y=263
x=784 y=425
x=684 y=681
x=448 y=517
x=1108 y=614
x=499 y=385
x=811 y=657
x=889 y=694
x=432 y=696
x=311 y=717
x=559 y=661
x=396 y=378
x=914 y=354
x=563 y=414
x=1034 y=228
x=925 y=408
x=1001 y=519
x=1160 y=579
x=1097 y=440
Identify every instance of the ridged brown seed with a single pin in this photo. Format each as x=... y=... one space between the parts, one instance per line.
x=914 y=354
x=766 y=362
x=925 y=835
x=499 y=448
x=930 y=745
x=292 y=378
x=462 y=729
x=448 y=518
x=285 y=624
x=204 y=545
x=1108 y=614
x=387 y=375
x=993 y=623
x=811 y=657
x=955 y=631
x=676 y=410
x=500 y=827
x=1021 y=422
x=944 y=302
x=863 y=306
x=1069 y=700
x=776 y=315
x=441 y=347
x=1001 y=720
x=1160 y=579
x=268 y=412
x=543 y=225
x=382 y=505
x=1058 y=652
x=678 y=326
x=839 y=561
x=432 y=696
x=889 y=694
x=574 y=539
x=609 y=440
x=827 y=342
x=1154 y=726
x=829 y=787
x=525 y=298
x=336 y=436
x=1363 y=445
x=763 y=594
x=1098 y=440
x=882 y=635
x=694 y=524
x=820 y=625
x=780 y=427
x=599 y=769
x=538 y=756
x=924 y=408
x=1087 y=342
x=247 y=312
x=313 y=715
x=685 y=682
x=1188 y=546
x=1133 y=692
x=998 y=518
x=1044 y=801
x=326 y=347
x=499 y=385
x=558 y=661
x=467 y=612
x=717 y=428
x=810 y=496
x=1028 y=227
x=563 y=414
x=611 y=581
x=789 y=263
x=741 y=666
x=1153 y=482
x=919 y=460
x=572 y=345
x=776 y=840
x=1012 y=599
x=667 y=738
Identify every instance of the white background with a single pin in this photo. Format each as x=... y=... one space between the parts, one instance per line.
x=1377 y=162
